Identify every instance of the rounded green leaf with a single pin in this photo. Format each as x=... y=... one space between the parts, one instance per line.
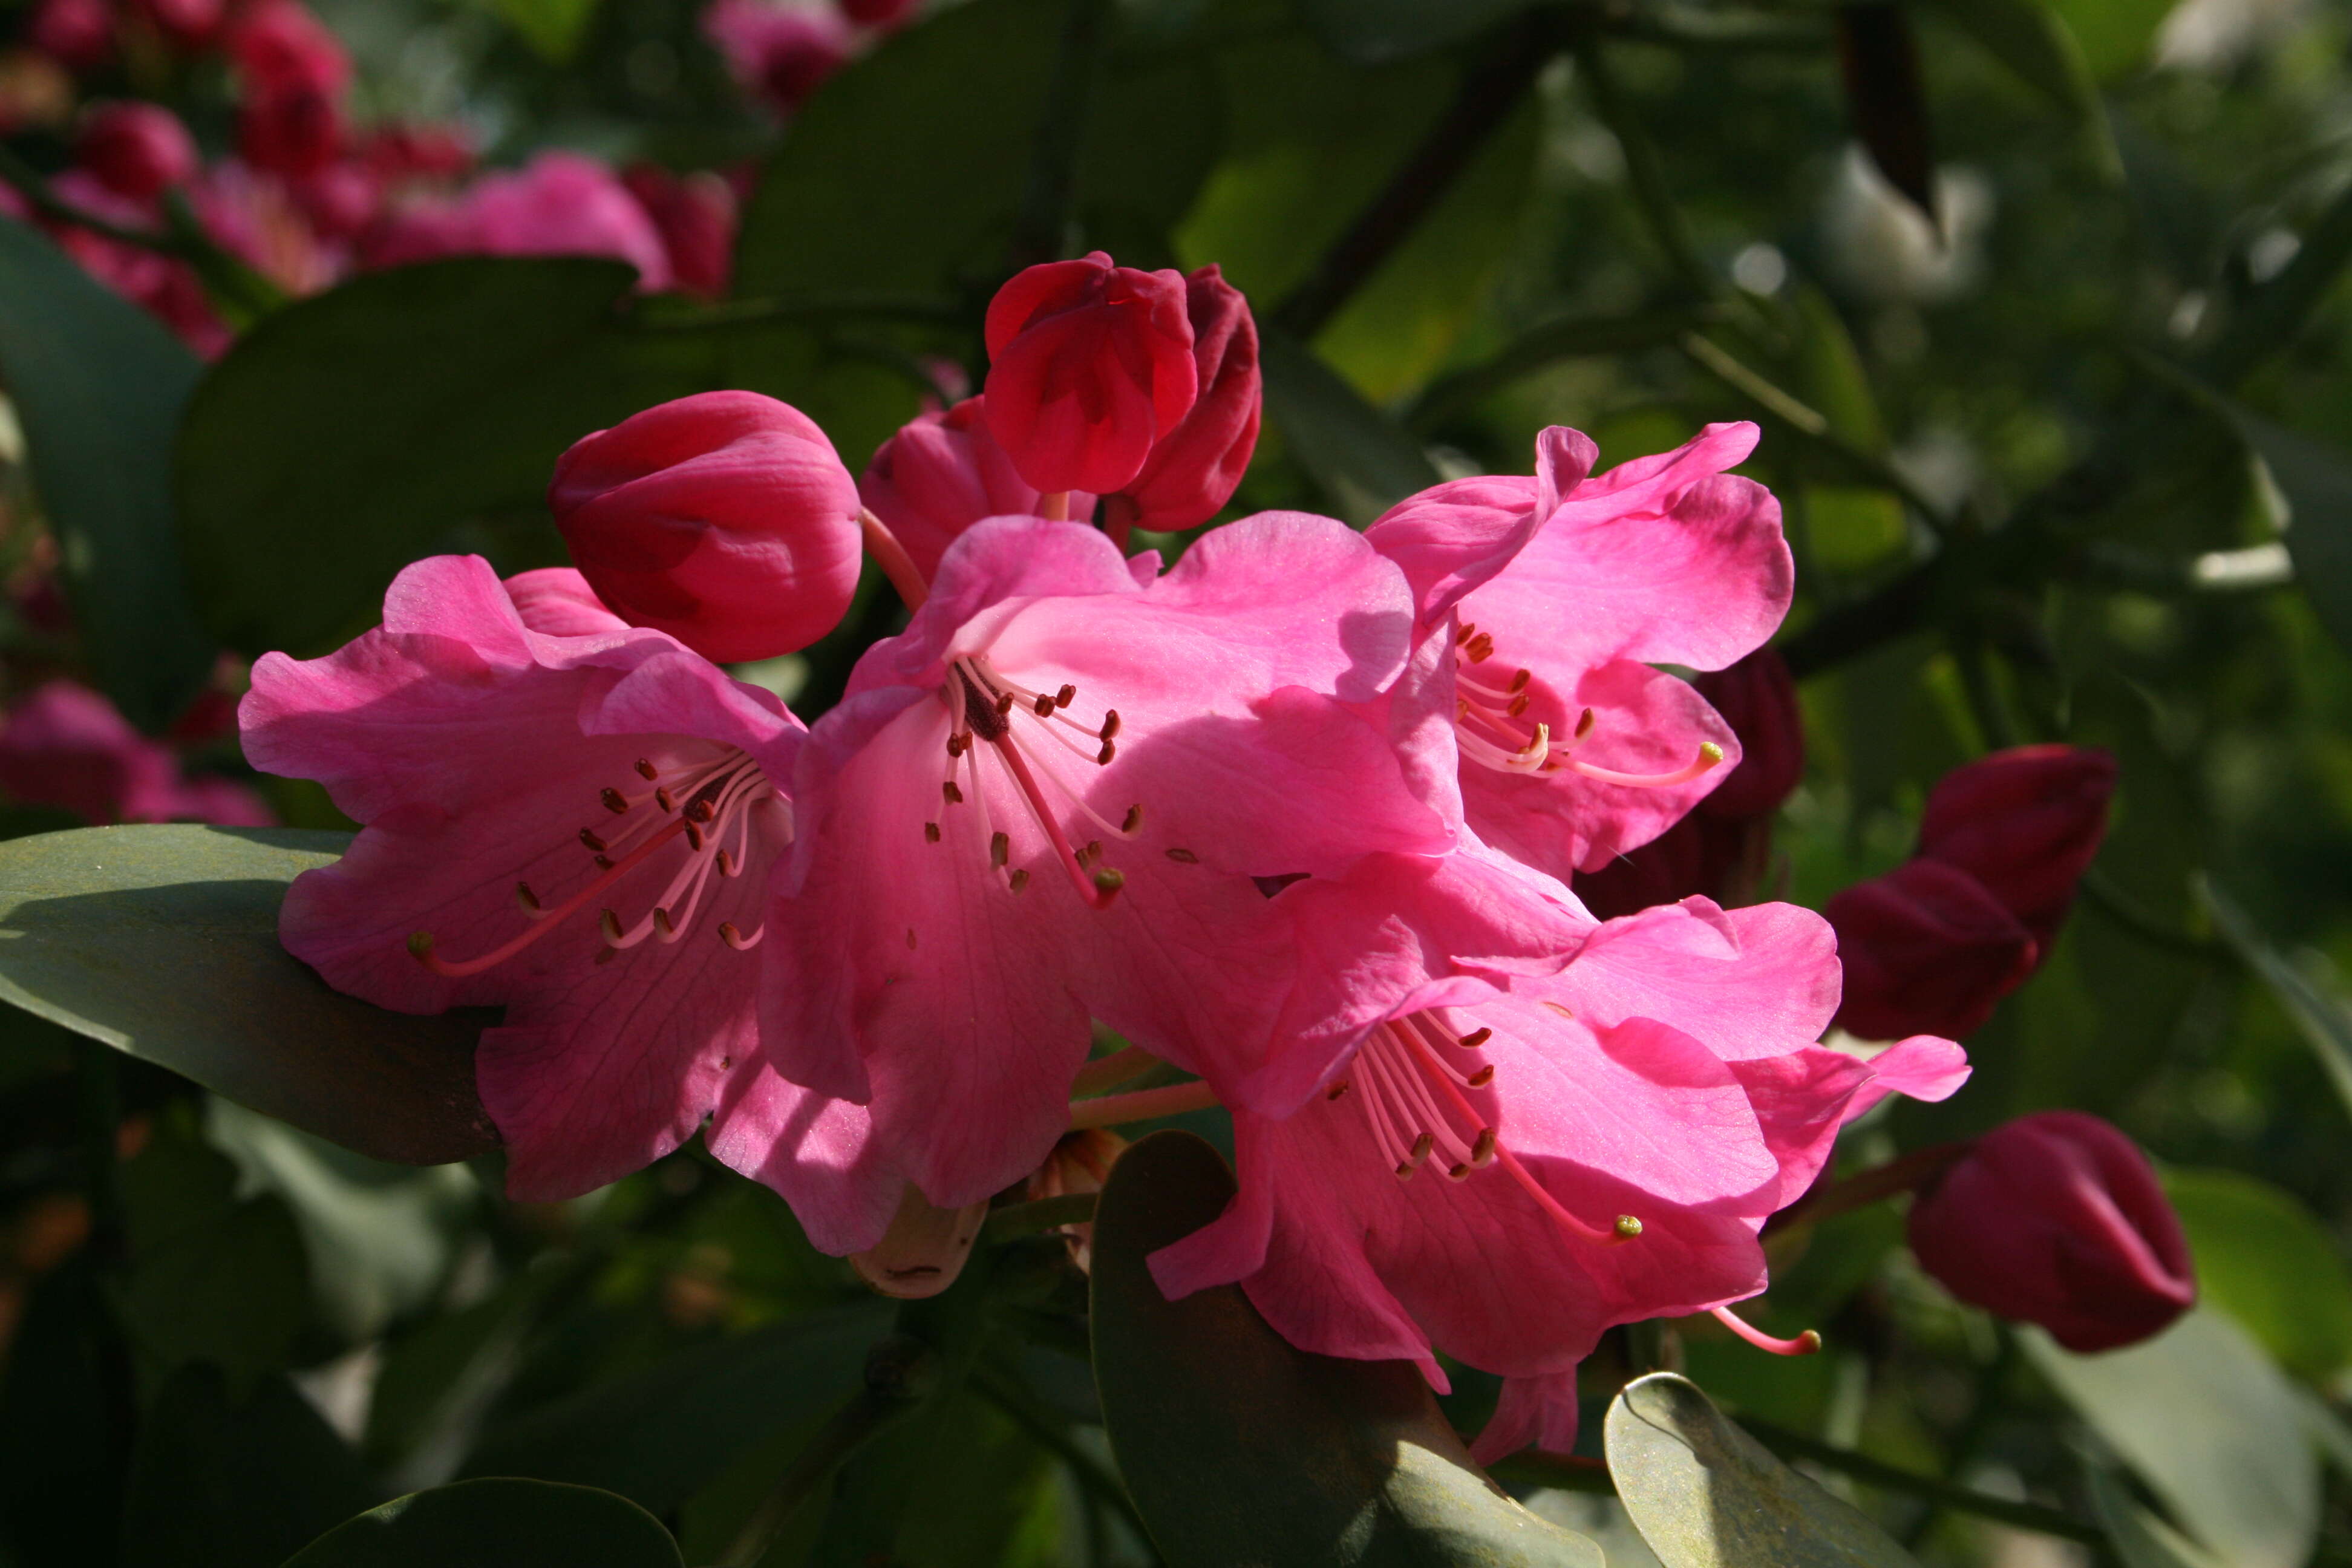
x=1239 y=1449
x=500 y=1524
x=2262 y=1258
x=161 y=941
x=1705 y=1494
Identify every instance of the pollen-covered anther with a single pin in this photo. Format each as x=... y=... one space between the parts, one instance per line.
x=1109 y=730
x=1042 y=706
x=1017 y=881
x=1103 y=757
x=610 y=924
x=959 y=742
x=615 y=802
x=1628 y=1227
x=1108 y=882
x=1065 y=696
x=1005 y=705
x=593 y=844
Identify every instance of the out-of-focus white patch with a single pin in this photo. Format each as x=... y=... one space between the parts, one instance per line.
x=1760 y=268
x=342 y=1391
x=2269 y=252
x=2215 y=35
x=1883 y=249
x=2255 y=566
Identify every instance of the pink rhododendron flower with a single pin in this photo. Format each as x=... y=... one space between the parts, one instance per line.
x=1195 y=466
x=166 y=288
x=695 y=215
x=66 y=746
x=560 y=812
x=1046 y=801
x=723 y=519
x=136 y=150
x=1544 y=603
x=560 y=204
x=1503 y=1161
x=2058 y=1219
x=1090 y=365
x=782 y=52
x=940 y=474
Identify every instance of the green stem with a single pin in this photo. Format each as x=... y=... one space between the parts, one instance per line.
x=1867 y=1187
x=1041 y=1214
x=1983 y=1408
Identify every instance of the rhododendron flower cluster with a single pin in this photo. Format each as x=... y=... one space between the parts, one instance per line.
x=1295 y=813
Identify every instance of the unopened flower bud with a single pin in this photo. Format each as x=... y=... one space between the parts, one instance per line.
x=696 y=218
x=2026 y=823
x=1759 y=699
x=924 y=1249
x=1194 y=467
x=942 y=473
x=79 y=34
x=136 y=150
x=2057 y=1219
x=1927 y=951
x=1080 y=1162
x=187 y=24
x=292 y=75
x=783 y=53
x=724 y=519
x=1090 y=364
x=883 y=15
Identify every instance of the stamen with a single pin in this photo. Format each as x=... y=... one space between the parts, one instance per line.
x=526 y=899
x=1105 y=884
x=647 y=771
x=1133 y=820
x=1337 y=1090
x=1103 y=757
x=1018 y=880
x=956 y=742
x=694 y=836
x=930 y=833
x=953 y=795
x=1710 y=755
x=667 y=801
x=615 y=802
x=1420 y=1147
x=1000 y=849
x=1519 y=682
x=1475 y=1038
x=663 y=923
x=1482 y=1077
x=1805 y=1344
x=1063 y=698
x=736 y=939
x=1183 y=856
x=1109 y=724
x=593 y=842
x=421 y=943
x=1042 y=706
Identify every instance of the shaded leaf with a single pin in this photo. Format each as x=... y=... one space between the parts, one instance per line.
x=1369 y=31
x=1705 y=1494
x=554 y=28
x=2325 y=1019
x=2139 y=1537
x=2264 y=1259
x=499 y=1523
x=222 y=1480
x=1887 y=100
x=660 y=1435
x=99 y=385
x=2316 y=482
x=1364 y=460
x=1238 y=1448
x=2034 y=41
x=162 y=942
x=2116 y=35
x=2202 y=1416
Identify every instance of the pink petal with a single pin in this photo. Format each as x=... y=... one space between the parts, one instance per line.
x=1755 y=982
x=820 y=1154
x=1538 y=1411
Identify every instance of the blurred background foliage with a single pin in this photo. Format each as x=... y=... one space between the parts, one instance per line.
x=2065 y=462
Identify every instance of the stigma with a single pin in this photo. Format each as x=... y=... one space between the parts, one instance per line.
x=1413 y=1080
x=1492 y=730
x=711 y=808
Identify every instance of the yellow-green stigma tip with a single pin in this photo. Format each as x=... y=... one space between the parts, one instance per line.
x=420 y=943
x=1107 y=881
x=1712 y=753
x=1628 y=1227
x=1811 y=1340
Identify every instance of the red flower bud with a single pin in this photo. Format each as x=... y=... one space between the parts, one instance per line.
x=723 y=519
x=883 y=15
x=2057 y=1219
x=1758 y=701
x=2025 y=823
x=78 y=33
x=1090 y=364
x=941 y=474
x=188 y=24
x=1194 y=467
x=136 y=150
x=783 y=53
x=1927 y=951
x=695 y=215
x=293 y=74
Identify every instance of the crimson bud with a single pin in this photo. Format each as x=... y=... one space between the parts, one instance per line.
x=1194 y=467
x=1927 y=951
x=293 y=74
x=942 y=473
x=2025 y=823
x=1090 y=364
x=725 y=520
x=2057 y=1219
x=136 y=150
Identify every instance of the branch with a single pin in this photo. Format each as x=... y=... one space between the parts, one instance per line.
x=1489 y=90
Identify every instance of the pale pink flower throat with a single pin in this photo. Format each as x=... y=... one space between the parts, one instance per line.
x=1415 y=1104
x=991 y=716
x=1491 y=728
x=709 y=803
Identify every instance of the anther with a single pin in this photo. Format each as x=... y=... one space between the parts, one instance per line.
x=1482 y=1149
x=959 y=743
x=615 y=802
x=667 y=801
x=611 y=925
x=1519 y=705
x=1482 y=1078
x=1103 y=757
x=1479 y=648
x=1062 y=698
x=1475 y=1038
x=662 y=921
x=1000 y=848
x=604 y=862
x=1464 y=632
x=420 y=945
x=1108 y=882
x=1584 y=724
x=526 y=898
x=593 y=842
x=1109 y=724
x=1627 y=1227
x=1519 y=681
x=700 y=811
x=647 y=771
x=736 y=939
x=694 y=838
x=726 y=864
x=1018 y=880
x=1091 y=852
x=930 y=833
x=1042 y=706
x=1005 y=705
x=1337 y=1090
x=1183 y=856
x=948 y=788
x=1132 y=820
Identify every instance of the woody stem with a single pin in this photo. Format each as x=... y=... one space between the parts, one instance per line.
x=1861 y=1191
x=892 y=557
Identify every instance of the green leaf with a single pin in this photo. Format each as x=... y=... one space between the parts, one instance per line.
x=2115 y=35
x=908 y=172
x=500 y=1524
x=2034 y=41
x=2140 y=1538
x=2213 y=1426
x=1238 y=1448
x=554 y=28
x=1369 y=31
x=1705 y=1494
x=1364 y=460
x=223 y=1480
x=2325 y=1018
x=100 y=386
x=660 y=1435
x=2264 y=1259
x=162 y=942
x=2316 y=482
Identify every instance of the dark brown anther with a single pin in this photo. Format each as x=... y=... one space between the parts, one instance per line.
x=1468 y=630
x=1109 y=724
x=700 y=811
x=1482 y=1150
x=615 y=802
x=1475 y=1038
x=667 y=801
x=1519 y=705
x=603 y=863
x=959 y=743
x=1133 y=820
x=1480 y=649
x=647 y=771
x=930 y=833
x=1018 y=880
x=954 y=795
x=694 y=838
x=1482 y=1077
x=526 y=898
x=1183 y=856
x=610 y=923
x=1000 y=848
x=1337 y=1090
x=1062 y=698
x=1091 y=852
x=1042 y=706
x=726 y=864
x=1103 y=757
x=662 y=921
x=1584 y=724
x=595 y=844
x=1005 y=705
x=1519 y=681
